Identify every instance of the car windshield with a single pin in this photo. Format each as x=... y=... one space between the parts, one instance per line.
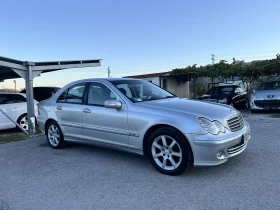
x=140 y=90
x=273 y=85
x=221 y=90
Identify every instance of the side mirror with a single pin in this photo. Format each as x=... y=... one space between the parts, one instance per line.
x=113 y=104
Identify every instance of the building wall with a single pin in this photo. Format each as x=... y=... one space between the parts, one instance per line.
x=180 y=89
x=154 y=80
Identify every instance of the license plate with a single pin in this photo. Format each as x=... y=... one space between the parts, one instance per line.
x=271 y=108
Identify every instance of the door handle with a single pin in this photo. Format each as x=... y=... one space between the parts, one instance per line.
x=59 y=108
x=86 y=110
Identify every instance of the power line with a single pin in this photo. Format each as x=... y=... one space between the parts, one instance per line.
x=252 y=53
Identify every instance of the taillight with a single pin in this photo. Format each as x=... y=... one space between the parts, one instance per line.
x=38 y=108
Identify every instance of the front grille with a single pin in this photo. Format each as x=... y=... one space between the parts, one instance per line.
x=236 y=148
x=267 y=103
x=235 y=123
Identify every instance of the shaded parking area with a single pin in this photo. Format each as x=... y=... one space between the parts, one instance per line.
x=34 y=176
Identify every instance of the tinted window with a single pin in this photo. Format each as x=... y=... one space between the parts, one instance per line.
x=99 y=93
x=19 y=98
x=227 y=89
x=62 y=97
x=212 y=91
x=6 y=99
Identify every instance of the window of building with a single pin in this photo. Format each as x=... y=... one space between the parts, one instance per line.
x=164 y=84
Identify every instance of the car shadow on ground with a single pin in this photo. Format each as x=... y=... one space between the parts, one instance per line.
x=106 y=155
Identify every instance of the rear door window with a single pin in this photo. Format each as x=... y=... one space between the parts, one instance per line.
x=19 y=98
x=6 y=99
x=74 y=94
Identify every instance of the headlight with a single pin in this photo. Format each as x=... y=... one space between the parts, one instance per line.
x=223 y=101
x=213 y=127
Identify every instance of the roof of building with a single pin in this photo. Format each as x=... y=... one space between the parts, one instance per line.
x=149 y=75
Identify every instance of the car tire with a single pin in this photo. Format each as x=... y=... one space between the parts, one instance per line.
x=23 y=122
x=247 y=104
x=54 y=135
x=169 y=151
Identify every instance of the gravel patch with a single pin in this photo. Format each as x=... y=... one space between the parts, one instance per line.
x=265 y=117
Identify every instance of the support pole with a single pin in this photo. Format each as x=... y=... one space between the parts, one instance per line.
x=30 y=100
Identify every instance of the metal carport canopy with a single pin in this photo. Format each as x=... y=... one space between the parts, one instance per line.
x=11 y=69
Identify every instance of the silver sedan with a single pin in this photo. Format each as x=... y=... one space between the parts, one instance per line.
x=140 y=117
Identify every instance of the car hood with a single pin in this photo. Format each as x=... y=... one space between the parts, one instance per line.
x=267 y=94
x=198 y=108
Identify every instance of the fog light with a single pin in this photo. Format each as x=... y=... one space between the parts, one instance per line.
x=220 y=155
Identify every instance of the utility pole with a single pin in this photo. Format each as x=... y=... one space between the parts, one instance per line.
x=109 y=71
x=15 y=85
x=213 y=59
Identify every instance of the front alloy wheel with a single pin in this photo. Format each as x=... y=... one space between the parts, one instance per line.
x=166 y=152
x=169 y=151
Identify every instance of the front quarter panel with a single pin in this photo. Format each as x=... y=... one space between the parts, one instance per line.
x=141 y=119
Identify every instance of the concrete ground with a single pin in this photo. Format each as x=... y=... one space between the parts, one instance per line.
x=34 y=176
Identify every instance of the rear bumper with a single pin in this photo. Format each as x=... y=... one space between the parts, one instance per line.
x=41 y=123
x=209 y=150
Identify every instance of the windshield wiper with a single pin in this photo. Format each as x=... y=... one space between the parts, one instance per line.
x=170 y=97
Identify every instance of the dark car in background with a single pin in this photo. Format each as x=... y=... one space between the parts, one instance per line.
x=42 y=93
x=232 y=95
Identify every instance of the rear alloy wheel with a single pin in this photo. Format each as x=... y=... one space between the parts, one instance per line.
x=54 y=135
x=23 y=122
x=169 y=151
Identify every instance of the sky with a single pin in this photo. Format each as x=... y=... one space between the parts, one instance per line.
x=135 y=37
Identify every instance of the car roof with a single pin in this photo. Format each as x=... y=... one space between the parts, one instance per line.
x=107 y=79
x=2 y=92
x=45 y=87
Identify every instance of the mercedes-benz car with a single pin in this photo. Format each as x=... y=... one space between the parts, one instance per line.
x=266 y=97
x=140 y=117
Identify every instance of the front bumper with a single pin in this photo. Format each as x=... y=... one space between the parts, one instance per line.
x=264 y=104
x=211 y=150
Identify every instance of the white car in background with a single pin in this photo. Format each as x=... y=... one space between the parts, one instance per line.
x=14 y=105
